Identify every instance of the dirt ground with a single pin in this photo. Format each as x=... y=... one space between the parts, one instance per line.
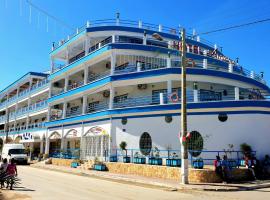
x=8 y=195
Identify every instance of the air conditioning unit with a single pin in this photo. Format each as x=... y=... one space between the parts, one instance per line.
x=142 y=86
x=106 y=93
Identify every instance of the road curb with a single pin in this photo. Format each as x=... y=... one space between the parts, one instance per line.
x=169 y=187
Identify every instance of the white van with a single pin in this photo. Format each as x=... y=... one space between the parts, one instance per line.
x=16 y=151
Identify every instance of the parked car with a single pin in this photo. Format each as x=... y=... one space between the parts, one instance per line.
x=16 y=151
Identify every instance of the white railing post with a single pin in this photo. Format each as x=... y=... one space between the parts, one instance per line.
x=230 y=67
x=113 y=38
x=252 y=74
x=169 y=62
x=236 y=93
x=205 y=64
x=138 y=66
x=161 y=99
x=195 y=95
x=87 y=24
x=144 y=38
x=159 y=28
x=140 y=23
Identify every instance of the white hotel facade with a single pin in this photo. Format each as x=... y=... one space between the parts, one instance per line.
x=120 y=81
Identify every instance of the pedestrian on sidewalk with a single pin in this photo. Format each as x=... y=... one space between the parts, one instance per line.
x=11 y=172
x=226 y=170
x=3 y=169
x=218 y=167
x=250 y=163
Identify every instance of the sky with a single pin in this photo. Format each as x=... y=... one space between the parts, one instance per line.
x=25 y=41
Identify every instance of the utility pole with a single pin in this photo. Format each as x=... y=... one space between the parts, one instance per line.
x=184 y=152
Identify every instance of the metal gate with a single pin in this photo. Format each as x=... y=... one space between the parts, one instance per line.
x=94 y=146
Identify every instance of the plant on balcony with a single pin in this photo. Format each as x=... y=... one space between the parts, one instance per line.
x=138 y=159
x=155 y=157
x=123 y=147
x=173 y=160
x=99 y=165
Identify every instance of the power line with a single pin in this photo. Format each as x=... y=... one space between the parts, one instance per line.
x=235 y=26
x=49 y=15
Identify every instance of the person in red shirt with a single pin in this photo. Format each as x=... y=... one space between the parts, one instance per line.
x=218 y=167
x=11 y=171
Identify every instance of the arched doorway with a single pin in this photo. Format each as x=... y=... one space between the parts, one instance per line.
x=71 y=143
x=55 y=142
x=95 y=143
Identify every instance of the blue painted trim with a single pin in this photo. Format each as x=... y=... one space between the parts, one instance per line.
x=67 y=43
x=83 y=88
x=79 y=61
x=145 y=109
x=159 y=72
x=23 y=78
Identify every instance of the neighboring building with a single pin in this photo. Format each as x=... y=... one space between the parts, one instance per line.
x=113 y=83
x=23 y=111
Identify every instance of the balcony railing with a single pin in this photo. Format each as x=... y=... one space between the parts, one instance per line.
x=94 y=107
x=38 y=106
x=74 y=112
x=75 y=85
x=23 y=128
x=93 y=77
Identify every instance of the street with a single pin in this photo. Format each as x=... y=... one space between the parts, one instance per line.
x=44 y=184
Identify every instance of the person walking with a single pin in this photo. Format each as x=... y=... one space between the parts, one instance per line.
x=11 y=172
x=218 y=167
x=3 y=169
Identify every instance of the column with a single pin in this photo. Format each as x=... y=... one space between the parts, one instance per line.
x=86 y=45
x=169 y=87
x=47 y=142
x=159 y=28
x=84 y=106
x=195 y=92
x=52 y=65
x=49 y=113
x=66 y=83
x=111 y=97
x=67 y=55
x=50 y=89
x=161 y=99
x=41 y=146
x=86 y=71
x=113 y=60
x=64 y=110
x=205 y=64
x=236 y=93
x=63 y=140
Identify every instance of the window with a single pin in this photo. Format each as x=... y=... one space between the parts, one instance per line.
x=145 y=143
x=168 y=119
x=222 y=117
x=124 y=121
x=195 y=143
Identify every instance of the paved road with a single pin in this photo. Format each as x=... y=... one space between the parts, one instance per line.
x=42 y=184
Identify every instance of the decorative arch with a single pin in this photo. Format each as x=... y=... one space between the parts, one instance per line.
x=72 y=132
x=96 y=130
x=55 y=135
x=18 y=139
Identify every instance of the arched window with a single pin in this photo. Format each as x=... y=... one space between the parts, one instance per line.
x=145 y=143
x=195 y=143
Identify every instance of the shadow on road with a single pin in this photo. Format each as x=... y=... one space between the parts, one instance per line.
x=23 y=189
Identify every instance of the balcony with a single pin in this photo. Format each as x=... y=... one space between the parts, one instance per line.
x=20 y=129
x=75 y=111
x=38 y=106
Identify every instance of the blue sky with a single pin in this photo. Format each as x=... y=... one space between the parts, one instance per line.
x=25 y=46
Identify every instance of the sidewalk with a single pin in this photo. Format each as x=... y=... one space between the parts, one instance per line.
x=150 y=182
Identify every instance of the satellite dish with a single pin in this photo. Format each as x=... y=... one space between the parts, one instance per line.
x=157 y=36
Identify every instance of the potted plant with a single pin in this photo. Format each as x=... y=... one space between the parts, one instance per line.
x=40 y=157
x=98 y=165
x=198 y=163
x=173 y=160
x=155 y=158
x=139 y=159
x=123 y=147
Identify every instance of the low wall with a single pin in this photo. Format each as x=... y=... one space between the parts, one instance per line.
x=62 y=162
x=206 y=175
